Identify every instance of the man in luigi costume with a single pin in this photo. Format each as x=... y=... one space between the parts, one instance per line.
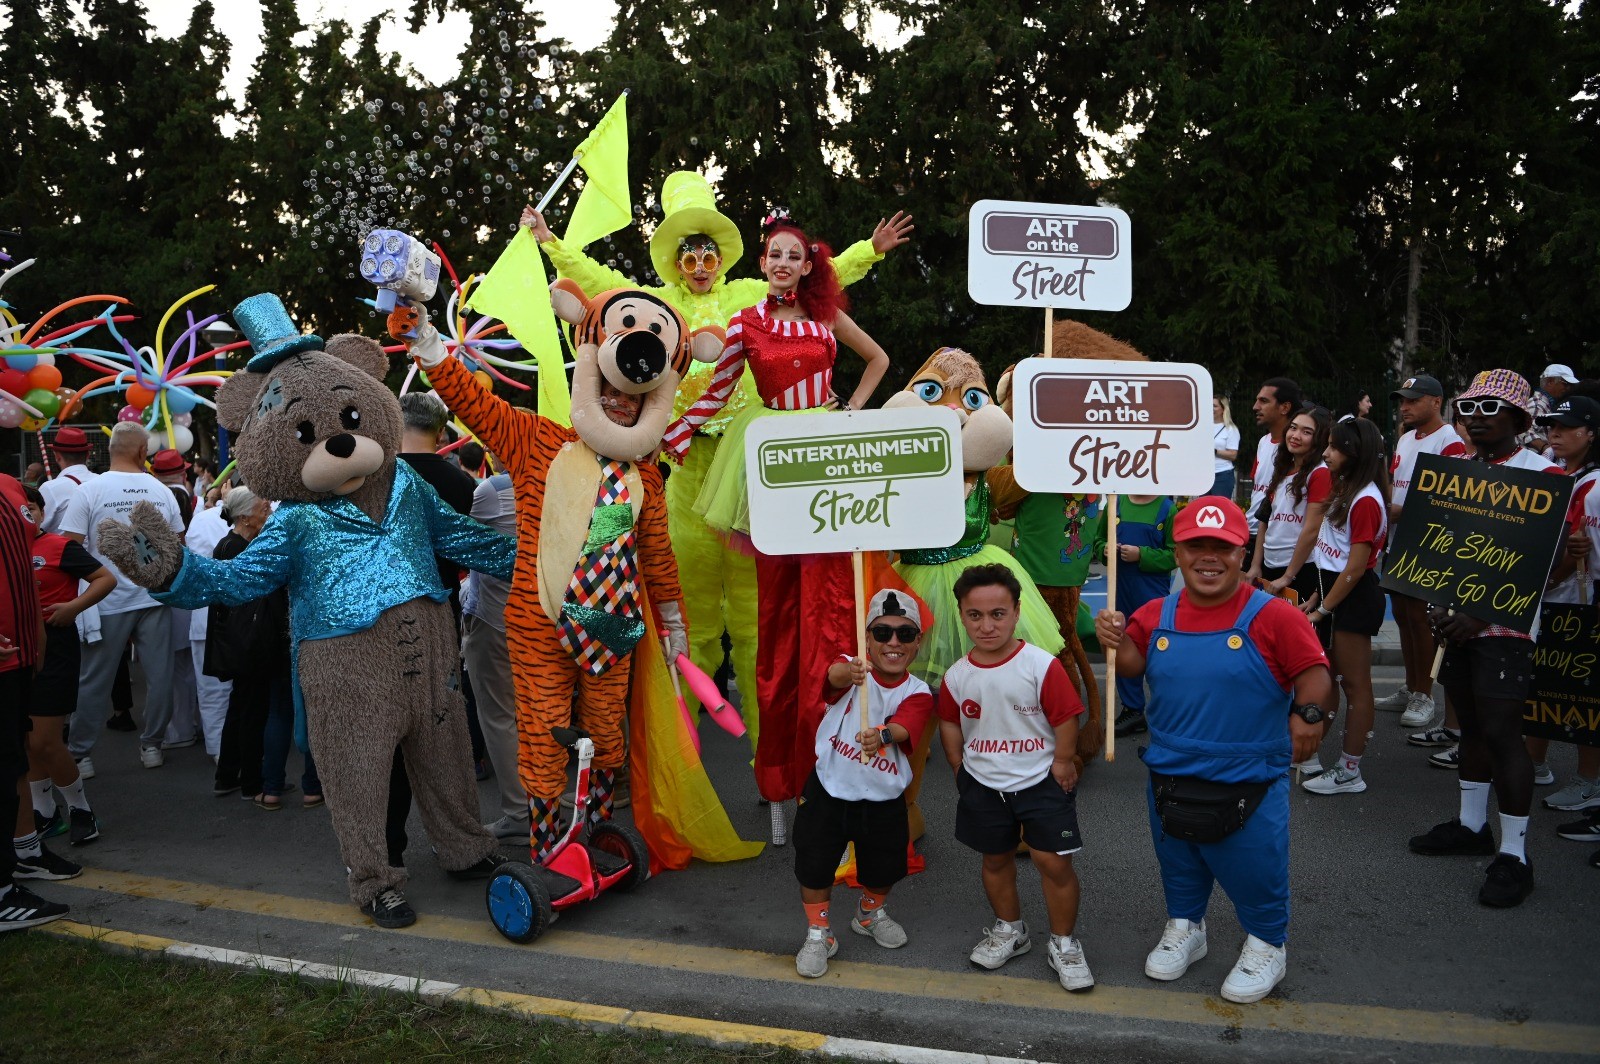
x=693 y=249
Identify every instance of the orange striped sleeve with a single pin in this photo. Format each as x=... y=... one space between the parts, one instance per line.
x=506 y=431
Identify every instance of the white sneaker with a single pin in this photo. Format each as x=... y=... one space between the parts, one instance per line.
x=149 y=757
x=1182 y=943
x=1337 y=780
x=1396 y=702
x=1000 y=945
x=880 y=927
x=1260 y=968
x=509 y=828
x=1449 y=759
x=1577 y=794
x=1542 y=776
x=1069 y=963
x=1311 y=766
x=1420 y=712
x=85 y=768
x=812 y=960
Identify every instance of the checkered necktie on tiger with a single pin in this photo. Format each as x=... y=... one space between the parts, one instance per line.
x=600 y=617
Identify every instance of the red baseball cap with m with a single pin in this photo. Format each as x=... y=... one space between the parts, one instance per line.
x=1212 y=516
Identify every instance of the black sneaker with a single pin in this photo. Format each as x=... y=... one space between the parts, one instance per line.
x=390 y=909
x=482 y=870
x=1585 y=830
x=1507 y=882
x=85 y=827
x=121 y=722
x=21 y=907
x=1130 y=722
x=46 y=866
x=1450 y=839
x=50 y=826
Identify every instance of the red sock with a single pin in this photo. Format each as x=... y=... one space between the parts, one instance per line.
x=817 y=914
x=871 y=901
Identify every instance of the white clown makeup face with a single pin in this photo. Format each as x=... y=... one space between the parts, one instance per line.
x=784 y=262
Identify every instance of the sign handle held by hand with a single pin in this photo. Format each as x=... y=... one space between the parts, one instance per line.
x=861 y=637
x=1049 y=332
x=1111 y=603
x=1583 y=581
x=1438 y=654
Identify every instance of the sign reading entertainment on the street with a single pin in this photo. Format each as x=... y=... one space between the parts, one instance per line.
x=1139 y=428
x=1049 y=255
x=1478 y=538
x=858 y=480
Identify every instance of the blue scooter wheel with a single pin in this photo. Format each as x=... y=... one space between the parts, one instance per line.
x=518 y=902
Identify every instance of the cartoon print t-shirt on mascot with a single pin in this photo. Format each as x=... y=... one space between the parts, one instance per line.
x=789 y=342
x=597 y=568
x=353 y=540
x=693 y=249
x=952 y=377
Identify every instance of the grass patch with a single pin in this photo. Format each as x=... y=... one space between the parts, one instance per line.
x=66 y=1001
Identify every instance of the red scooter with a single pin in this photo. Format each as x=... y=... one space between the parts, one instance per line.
x=523 y=900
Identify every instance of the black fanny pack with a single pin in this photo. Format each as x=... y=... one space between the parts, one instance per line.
x=1197 y=810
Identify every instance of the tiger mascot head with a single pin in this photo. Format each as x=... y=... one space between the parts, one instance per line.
x=640 y=346
x=951 y=377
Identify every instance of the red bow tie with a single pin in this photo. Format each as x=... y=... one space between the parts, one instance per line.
x=786 y=299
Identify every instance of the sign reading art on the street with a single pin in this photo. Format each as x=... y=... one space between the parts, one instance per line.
x=858 y=480
x=1478 y=538
x=1048 y=255
x=1140 y=428
x=1564 y=699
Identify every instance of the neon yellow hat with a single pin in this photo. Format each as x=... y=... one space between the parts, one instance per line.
x=689 y=207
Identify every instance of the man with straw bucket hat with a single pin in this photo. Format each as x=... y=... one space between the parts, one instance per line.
x=693 y=249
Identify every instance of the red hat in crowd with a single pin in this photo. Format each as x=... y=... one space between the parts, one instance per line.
x=1213 y=516
x=168 y=461
x=71 y=441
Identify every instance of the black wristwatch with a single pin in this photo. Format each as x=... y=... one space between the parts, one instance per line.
x=883 y=736
x=1311 y=713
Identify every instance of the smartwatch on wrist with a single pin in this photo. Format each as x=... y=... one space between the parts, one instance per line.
x=883 y=736
x=1311 y=713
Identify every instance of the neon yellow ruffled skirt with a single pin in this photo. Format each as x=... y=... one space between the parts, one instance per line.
x=948 y=641
x=724 y=499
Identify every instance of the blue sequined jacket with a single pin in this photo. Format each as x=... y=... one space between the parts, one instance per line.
x=341 y=568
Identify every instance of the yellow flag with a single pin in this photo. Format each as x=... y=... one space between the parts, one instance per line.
x=517 y=292
x=605 y=205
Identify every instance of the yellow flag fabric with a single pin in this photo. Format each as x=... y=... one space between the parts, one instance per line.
x=675 y=807
x=517 y=292
x=605 y=205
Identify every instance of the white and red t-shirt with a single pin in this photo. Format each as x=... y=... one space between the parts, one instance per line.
x=1289 y=517
x=114 y=495
x=1260 y=478
x=1008 y=714
x=1367 y=522
x=1286 y=640
x=1442 y=440
x=908 y=703
x=1583 y=515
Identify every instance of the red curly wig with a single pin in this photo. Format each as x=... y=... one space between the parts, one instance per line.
x=821 y=295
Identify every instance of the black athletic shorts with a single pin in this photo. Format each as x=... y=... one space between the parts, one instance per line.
x=55 y=686
x=993 y=822
x=824 y=824
x=1495 y=666
x=1361 y=612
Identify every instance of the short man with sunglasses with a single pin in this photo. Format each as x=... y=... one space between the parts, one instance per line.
x=857 y=792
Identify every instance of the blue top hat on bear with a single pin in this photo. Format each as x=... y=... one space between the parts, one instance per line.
x=273 y=335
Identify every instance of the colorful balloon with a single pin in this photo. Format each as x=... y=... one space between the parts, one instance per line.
x=22 y=363
x=33 y=424
x=180 y=400
x=46 y=377
x=43 y=401
x=13 y=382
x=129 y=413
x=183 y=419
x=140 y=396
x=11 y=414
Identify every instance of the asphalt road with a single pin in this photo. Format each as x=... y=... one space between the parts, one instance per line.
x=1390 y=955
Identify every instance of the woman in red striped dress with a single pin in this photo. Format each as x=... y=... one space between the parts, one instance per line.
x=789 y=342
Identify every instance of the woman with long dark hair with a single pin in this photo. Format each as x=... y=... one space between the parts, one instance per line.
x=1291 y=513
x=1348 y=604
x=790 y=344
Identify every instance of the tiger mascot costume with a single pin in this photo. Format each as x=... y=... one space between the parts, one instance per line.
x=602 y=564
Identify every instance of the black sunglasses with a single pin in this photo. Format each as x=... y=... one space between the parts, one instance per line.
x=884 y=633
